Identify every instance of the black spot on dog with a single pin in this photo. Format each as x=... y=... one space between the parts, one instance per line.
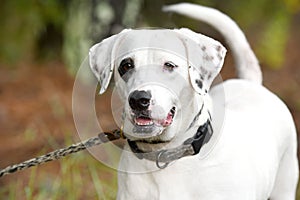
x=203 y=71
x=103 y=75
x=220 y=56
x=218 y=48
x=209 y=76
x=208 y=58
x=203 y=48
x=96 y=69
x=199 y=83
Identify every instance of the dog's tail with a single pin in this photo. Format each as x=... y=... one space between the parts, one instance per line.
x=247 y=65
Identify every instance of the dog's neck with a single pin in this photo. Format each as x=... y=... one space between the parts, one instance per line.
x=190 y=128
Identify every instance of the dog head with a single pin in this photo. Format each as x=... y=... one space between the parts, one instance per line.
x=159 y=74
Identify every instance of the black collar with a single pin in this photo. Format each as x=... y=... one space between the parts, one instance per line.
x=191 y=146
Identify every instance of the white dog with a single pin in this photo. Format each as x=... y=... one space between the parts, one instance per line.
x=242 y=135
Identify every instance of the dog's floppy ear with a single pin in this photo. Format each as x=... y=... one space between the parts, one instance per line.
x=101 y=58
x=205 y=58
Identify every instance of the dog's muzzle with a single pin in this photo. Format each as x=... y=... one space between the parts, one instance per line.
x=140 y=102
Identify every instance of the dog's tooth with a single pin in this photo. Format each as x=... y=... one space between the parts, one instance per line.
x=145 y=123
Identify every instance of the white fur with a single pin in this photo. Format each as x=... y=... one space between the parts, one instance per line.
x=254 y=159
x=252 y=153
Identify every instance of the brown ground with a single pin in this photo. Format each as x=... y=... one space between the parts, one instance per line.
x=35 y=102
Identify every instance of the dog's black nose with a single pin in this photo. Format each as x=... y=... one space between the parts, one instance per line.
x=139 y=100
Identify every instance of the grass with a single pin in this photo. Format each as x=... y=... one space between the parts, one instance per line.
x=78 y=176
x=298 y=192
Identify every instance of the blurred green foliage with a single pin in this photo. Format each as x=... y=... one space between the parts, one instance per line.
x=76 y=34
x=65 y=29
x=269 y=21
x=24 y=23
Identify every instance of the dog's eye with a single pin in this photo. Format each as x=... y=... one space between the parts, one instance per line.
x=126 y=65
x=169 y=66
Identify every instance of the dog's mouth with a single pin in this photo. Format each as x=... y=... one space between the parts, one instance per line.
x=143 y=119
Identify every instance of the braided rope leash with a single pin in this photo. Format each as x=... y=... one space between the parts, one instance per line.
x=59 y=153
x=191 y=146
